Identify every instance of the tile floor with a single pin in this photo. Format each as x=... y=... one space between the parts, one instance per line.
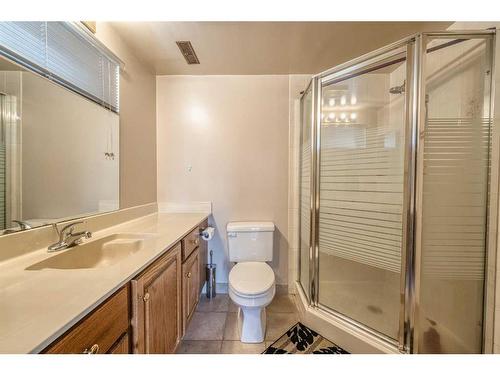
x=213 y=328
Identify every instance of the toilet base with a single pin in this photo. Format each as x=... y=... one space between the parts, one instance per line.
x=252 y=324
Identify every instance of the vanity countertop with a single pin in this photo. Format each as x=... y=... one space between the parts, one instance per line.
x=37 y=306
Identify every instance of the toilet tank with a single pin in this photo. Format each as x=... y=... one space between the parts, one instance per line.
x=250 y=241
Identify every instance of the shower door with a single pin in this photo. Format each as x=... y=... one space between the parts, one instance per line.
x=361 y=217
x=454 y=171
x=397 y=223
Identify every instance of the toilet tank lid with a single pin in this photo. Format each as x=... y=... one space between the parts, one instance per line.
x=250 y=226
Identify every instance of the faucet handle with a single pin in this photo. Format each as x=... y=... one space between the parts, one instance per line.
x=68 y=226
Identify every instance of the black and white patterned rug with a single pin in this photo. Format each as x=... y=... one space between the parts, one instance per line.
x=303 y=340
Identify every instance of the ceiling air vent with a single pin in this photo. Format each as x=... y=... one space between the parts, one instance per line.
x=187 y=51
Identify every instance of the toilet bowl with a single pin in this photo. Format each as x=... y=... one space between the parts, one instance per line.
x=252 y=288
x=251 y=280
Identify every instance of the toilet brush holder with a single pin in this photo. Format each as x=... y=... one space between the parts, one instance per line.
x=210 y=271
x=211 y=292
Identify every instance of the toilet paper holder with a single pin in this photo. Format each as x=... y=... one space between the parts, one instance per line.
x=208 y=233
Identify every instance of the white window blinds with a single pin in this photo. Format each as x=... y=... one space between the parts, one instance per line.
x=67 y=54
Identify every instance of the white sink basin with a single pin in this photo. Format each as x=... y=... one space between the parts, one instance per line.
x=103 y=252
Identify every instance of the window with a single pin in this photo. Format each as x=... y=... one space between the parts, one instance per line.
x=67 y=54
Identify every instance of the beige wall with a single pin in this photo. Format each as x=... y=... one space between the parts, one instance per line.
x=137 y=123
x=225 y=139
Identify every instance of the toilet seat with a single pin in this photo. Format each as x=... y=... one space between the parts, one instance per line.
x=251 y=279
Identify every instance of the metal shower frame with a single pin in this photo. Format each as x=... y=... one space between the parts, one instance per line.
x=415 y=50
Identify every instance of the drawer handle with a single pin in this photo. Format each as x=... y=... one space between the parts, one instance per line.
x=188 y=275
x=146 y=297
x=195 y=241
x=94 y=349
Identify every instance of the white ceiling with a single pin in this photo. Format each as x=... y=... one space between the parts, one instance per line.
x=261 y=47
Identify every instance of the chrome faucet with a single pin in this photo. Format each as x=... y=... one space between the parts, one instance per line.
x=67 y=238
x=23 y=225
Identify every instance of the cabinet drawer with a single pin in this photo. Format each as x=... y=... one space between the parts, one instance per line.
x=190 y=242
x=98 y=330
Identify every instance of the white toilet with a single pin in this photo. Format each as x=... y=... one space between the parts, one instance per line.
x=251 y=280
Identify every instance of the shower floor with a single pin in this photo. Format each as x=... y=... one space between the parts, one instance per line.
x=364 y=293
x=370 y=295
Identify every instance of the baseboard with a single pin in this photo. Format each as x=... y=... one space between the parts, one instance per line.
x=220 y=288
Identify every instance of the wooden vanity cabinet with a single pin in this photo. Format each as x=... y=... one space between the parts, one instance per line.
x=194 y=255
x=151 y=313
x=104 y=330
x=156 y=305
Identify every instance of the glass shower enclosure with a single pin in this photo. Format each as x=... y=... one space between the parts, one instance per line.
x=395 y=223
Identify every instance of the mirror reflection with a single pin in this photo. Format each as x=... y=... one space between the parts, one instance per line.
x=59 y=152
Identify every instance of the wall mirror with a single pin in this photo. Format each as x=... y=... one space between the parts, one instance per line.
x=59 y=152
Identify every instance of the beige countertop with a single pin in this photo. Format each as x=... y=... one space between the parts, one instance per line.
x=37 y=306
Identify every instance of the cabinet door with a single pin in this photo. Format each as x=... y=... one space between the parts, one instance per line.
x=190 y=285
x=156 y=307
